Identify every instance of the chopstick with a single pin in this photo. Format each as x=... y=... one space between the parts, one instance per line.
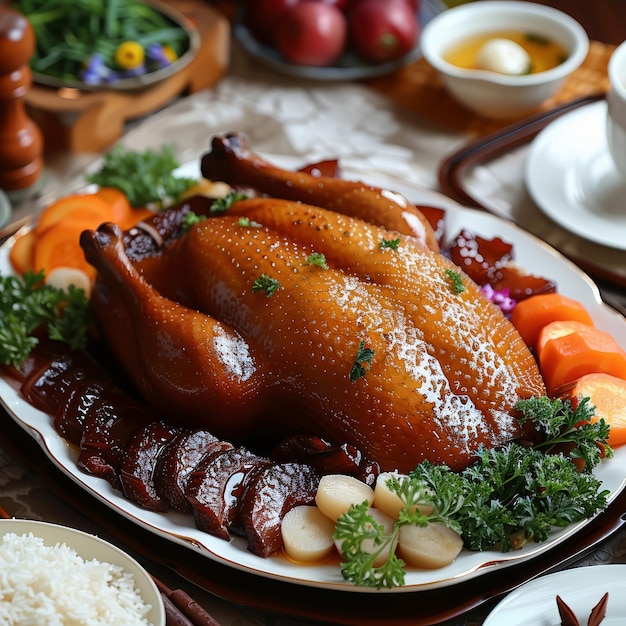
x=181 y=609
x=4 y=514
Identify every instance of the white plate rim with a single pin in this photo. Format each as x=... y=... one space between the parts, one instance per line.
x=580 y=587
x=532 y=253
x=551 y=166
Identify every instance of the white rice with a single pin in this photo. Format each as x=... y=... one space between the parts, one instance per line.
x=53 y=586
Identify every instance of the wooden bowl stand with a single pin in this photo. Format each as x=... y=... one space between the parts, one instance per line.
x=77 y=121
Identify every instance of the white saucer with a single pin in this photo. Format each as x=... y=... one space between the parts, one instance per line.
x=572 y=178
x=581 y=588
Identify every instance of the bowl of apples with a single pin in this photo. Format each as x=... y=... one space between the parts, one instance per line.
x=334 y=39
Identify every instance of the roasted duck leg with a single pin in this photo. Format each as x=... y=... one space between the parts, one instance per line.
x=232 y=162
x=438 y=370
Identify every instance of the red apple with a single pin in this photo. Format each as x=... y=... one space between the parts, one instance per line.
x=350 y=4
x=261 y=15
x=382 y=30
x=342 y=5
x=311 y=33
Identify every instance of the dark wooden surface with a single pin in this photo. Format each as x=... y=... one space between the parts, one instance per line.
x=604 y=20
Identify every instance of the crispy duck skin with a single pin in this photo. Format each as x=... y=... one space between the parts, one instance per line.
x=447 y=369
x=231 y=161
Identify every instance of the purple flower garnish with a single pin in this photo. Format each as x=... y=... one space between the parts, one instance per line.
x=501 y=297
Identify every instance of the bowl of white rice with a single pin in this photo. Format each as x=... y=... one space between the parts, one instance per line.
x=55 y=575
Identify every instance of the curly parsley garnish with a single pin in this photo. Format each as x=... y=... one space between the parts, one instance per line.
x=362 y=362
x=455 y=280
x=317 y=258
x=508 y=497
x=389 y=244
x=267 y=284
x=560 y=424
x=221 y=205
x=27 y=303
x=146 y=178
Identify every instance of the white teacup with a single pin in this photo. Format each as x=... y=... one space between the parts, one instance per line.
x=616 y=99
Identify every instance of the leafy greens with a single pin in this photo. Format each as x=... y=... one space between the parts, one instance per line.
x=27 y=303
x=508 y=497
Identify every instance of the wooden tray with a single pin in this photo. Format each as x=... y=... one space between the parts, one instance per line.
x=418 y=88
x=78 y=121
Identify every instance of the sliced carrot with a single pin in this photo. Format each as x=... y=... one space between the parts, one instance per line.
x=59 y=246
x=608 y=395
x=118 y=201
x=79 y=206
x=21 y=253
x=530 y=315
x=558 y=328
x=135 y=216
x=590 y=350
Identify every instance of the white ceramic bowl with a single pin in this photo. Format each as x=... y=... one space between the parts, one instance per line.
x=91 y=547
x=502 y=96
x=616 y=104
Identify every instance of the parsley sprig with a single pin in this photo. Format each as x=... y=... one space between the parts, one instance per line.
x=146 y=177
x=267 y=284
x=508 y=497
x=362 y=362
x=27 y=303
x=560 y=424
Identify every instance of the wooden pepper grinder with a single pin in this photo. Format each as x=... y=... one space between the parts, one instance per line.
x=21 y=144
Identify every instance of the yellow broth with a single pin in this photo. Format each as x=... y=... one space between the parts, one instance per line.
x=544 y=53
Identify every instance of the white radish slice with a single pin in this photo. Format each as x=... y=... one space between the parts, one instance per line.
x=336 y=493
x=430 y=547
x=307 y=534
x=369 y=546
x=388 y=501
x=63 y=277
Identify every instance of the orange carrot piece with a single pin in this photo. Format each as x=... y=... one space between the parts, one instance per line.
x=118 y=201
x=565 y=359
x=608 y=395
x=59 y=246
x=135 y=216
x=558 y=328
x=21 y=253
x=531 y=315
x=75 y=206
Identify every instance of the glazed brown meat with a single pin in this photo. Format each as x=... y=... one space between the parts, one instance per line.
x=250 y=363
x=231 y=161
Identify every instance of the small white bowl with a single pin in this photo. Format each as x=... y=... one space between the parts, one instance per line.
x=90 y=547
x=502 y=96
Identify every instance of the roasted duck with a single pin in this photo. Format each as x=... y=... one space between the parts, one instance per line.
x=382 y=343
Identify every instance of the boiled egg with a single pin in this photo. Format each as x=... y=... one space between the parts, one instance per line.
x=504 y=57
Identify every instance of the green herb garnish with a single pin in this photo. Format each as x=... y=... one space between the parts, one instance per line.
x=221 y=205
x=27 y=303
x=389 y=244
x=267 y=284
x=190 y=219
x=362 y=362
x=317 y=258
x=146 y=178
x=455 y=280
x=508 y=497
x=246 y=222
x=560 y=424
